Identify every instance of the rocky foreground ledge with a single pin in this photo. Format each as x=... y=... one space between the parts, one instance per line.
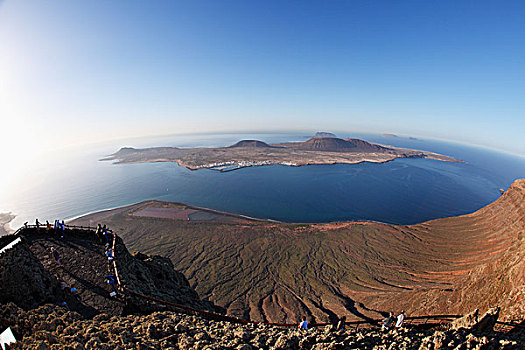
x=52 y=327
x=30 y=295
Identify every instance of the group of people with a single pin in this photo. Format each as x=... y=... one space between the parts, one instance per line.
x=105 y=235
x=340 y=323
x=58 y=227
x=392 y=321
x=65 y=289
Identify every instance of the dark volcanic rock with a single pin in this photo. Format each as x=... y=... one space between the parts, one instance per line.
x=24 y=280
x=472 y=321
x=488 y=321
x=51 y=327
x=467 y=321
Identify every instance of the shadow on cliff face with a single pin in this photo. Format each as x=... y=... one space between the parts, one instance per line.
x=24 y=280
x=30 y=276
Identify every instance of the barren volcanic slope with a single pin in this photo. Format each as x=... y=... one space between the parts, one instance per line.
x=318 y=150
x=251 y=143
x=279 y=272
x=339 y=145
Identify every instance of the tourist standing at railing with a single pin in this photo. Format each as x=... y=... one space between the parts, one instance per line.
x=48 y=227
x=106 y=234
x=109 y=255
x=98 y=232
x=62 y=229
x=56 y=227
x=304 y=323
x=400 y=319
x=112 y=281
x=37 y=224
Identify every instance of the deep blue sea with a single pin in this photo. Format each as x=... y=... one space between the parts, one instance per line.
x=403 y=191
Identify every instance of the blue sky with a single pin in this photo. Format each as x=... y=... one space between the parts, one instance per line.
x=96 y=70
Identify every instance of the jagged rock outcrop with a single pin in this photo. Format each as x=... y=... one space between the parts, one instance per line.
x=466 y=321
x=472 y=321
x=51 y=327
x=488 y=321
x=156 y=277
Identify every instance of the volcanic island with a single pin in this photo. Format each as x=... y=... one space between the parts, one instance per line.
x=247 y=153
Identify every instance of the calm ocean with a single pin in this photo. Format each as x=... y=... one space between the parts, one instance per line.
x=403 y=191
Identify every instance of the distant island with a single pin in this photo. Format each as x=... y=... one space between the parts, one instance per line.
x=247 y=153
x=324 y=134
x=397 y=136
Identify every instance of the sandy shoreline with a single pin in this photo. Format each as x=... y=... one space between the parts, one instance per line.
x=5 y=219
x=103 y=213
x=100 y=215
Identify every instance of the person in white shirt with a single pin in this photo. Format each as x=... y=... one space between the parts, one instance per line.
x=400 y=319
x=304 y=323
